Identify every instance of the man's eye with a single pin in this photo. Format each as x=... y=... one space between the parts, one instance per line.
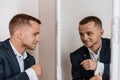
x=89 y=33
x=34 y=34
x=81 y=34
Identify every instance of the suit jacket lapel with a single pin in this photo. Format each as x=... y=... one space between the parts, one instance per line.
x=102 y=52
x=86 y=54
x=12 y=55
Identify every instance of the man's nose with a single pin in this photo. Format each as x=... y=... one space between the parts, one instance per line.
x=38 y=39
x=85 y=37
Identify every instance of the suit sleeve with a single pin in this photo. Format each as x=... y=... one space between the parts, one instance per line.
x=1 y=71
x=20 y=76
x=76 y=71
x=107 y=69
x=106 y=74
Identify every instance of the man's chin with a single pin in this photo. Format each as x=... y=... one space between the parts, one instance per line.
x=87 y=46
x=33 y=48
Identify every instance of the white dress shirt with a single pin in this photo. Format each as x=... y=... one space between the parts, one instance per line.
x=96 y=57
x=30 y=72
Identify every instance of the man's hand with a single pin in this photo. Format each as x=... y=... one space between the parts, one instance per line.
x=89 y=64
x=96 y=77
x=37 y=68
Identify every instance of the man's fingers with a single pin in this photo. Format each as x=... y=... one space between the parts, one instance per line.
x=89 y=64
x=85 y=61
x=85 y=64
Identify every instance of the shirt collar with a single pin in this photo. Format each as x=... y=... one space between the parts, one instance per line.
x=24 y=56
x=98 y=52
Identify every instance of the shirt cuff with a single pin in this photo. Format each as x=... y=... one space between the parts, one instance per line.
x=99 y=69
x=31 y=74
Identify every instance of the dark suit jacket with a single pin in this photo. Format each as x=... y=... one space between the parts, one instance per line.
x=9 y=67
x=79 y=73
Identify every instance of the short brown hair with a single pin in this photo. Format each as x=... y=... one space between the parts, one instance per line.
x=21 y=19
x=94 y=19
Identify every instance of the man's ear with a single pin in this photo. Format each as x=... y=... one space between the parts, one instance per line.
x=19 y=33
x=102 y=32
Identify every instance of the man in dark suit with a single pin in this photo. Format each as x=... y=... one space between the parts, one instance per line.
x=15 y=62
x=91 y=61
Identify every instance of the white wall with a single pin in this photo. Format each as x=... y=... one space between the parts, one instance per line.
x=72 y=11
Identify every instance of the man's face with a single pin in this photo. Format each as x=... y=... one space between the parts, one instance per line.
x=30 y=36
x=90 y=34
